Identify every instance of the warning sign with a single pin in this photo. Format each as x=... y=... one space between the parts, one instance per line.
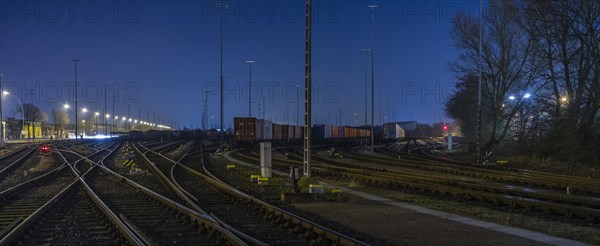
x=129 y=163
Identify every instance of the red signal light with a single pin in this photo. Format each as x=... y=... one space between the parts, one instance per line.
x=445 y=127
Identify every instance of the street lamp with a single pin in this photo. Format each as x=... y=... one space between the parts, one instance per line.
x=76 y=113
x=2 y=137
x=250 y=90
x=372 y=7
x=83 y=110
x=96 y=121
x=6 y=93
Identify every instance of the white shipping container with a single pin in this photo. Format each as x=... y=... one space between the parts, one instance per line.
x=327 y=132
x=259 y=130
x=267 y=129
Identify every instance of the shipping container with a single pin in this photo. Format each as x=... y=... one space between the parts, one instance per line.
x=277 y=128
x=335 y=132
x=291 y=132
x=244 y=129
x=318 y=132
x=342 y=134
x=392 y=131
x=299 y=132
x=328 y=132
x=285 y=132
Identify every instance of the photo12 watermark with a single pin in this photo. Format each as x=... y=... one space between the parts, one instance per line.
x=71 y=12
x=269 y=11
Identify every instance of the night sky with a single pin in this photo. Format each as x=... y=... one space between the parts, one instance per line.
x=162 y=55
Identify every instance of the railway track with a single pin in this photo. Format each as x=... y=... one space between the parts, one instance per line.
x=443 y=183
x=252 y=219
x=19 y=202
x=74 y=219
x=102 y=207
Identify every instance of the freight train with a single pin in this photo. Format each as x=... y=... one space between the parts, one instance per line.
x=250 y=129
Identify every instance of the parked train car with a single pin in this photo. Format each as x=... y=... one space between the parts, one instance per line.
x=250 y=129
x=245 y=129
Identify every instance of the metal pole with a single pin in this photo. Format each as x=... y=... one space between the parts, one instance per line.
x=366 y=51
x=372 y=7
x=250 y=90
x=478 y=150
x=104 y=113
x=263 y=108
x=298 y=106
x=221 y=6
x=307 y=90
x=2 y=137
x=114 y=127
x=76 y=107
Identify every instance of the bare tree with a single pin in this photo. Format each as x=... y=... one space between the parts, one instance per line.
x=508 y=67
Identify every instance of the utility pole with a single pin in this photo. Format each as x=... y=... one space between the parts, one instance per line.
x=113 y=114
x=298 y=105
x=263 y=107
x=76 y=107
x=104 y=113
x=366 y=52
x=250 y=90
x=307 y=90
x=2 y=137
x=372 y=7
x=478 y=150
x=221 y=6
x=129 y=116
x=140 y=117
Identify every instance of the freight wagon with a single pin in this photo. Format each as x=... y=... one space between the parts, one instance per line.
x=250 y=130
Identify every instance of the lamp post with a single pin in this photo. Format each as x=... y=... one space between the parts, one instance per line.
x=66 y=107
x=96 y=121
x=366 y=52
x=104 y=112
x=221 y=6
x=83 y=110
x=298 y=105
x=372 y=7
x=250 y=90
x=106 y=117
x=6 y=93
x=2 y=137
x=76 y=115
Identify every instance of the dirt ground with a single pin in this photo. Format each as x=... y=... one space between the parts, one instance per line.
x=406 y=227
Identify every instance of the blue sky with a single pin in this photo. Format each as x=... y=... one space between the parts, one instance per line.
x=161 y=55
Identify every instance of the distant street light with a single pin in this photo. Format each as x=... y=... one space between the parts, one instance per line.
x=96 y=121
x=527 y=96
x=2 y=137
x=511 y=98
x=6 y=93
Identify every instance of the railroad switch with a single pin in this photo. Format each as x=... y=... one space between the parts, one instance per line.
x=254 y=178
x=315 y=189
x=263 y=181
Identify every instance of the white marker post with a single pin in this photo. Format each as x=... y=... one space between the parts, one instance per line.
x=266 y=169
